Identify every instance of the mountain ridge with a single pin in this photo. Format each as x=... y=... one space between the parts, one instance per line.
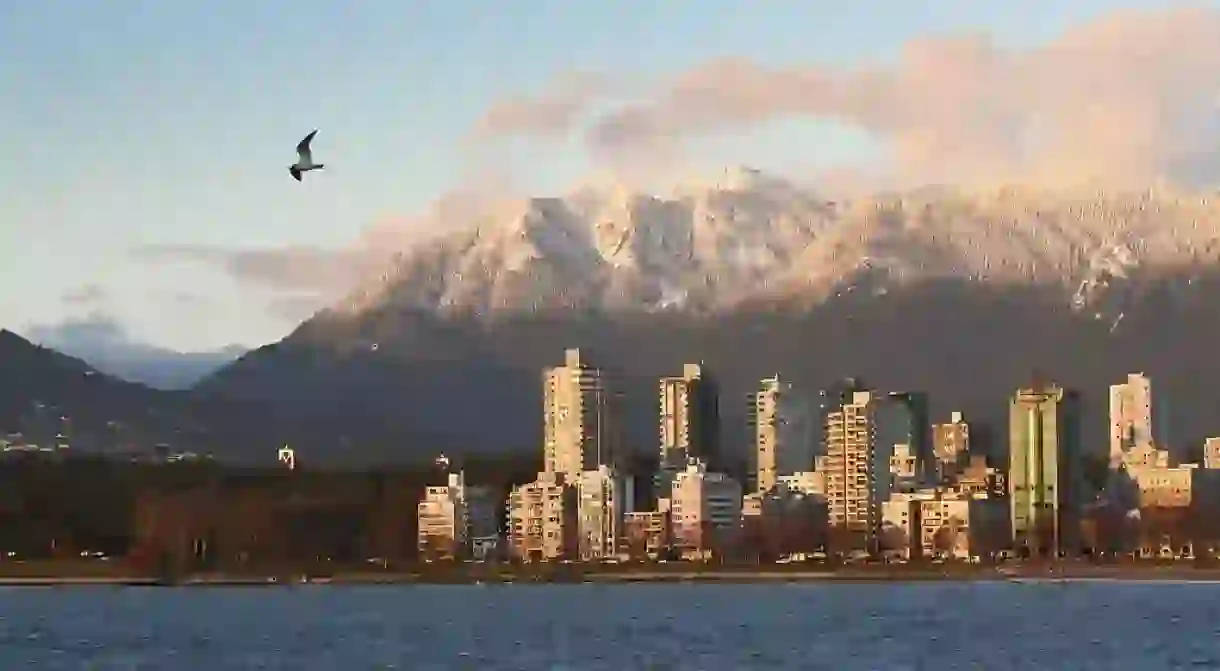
x=961 y=294
x=105 y=345
x=756 y=238
x=50 y=397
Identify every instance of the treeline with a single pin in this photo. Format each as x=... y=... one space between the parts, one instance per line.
x=1152 y=532
x=198 y=515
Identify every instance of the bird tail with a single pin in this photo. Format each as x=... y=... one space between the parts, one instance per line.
x=319 y=166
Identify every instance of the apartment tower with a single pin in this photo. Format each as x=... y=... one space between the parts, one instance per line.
x=950 y=446
x=785 y=432
x=689 y=422
x=1130 y=418
x=862 y=437
x=1044 y=441
x=580 y=418
x=543 y=521
x=603 y=497
x=705 y=511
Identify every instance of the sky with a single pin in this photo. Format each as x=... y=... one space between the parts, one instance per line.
x=144 y=177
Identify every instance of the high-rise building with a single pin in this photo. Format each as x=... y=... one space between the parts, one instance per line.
x=1211 y=453
x=1130 y=418
x=1043 y=444
x=831 y=399
x=580 y=418
x=452 y=516
x=603 y=496
x=950 y=446
x=689 y=422
x=705 y=510
x=856 y=475
x=862 y=438
x=785 y=432
x=543 y=520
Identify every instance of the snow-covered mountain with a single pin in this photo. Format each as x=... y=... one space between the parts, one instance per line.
x=963 y=294
x=755 y=237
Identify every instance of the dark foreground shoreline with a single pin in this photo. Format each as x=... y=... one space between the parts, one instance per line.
x=48 y=576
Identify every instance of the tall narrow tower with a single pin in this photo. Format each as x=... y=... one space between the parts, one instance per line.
x=786 y=432
x=580 y=418
x=689 y=416
x=1044 y=442
x=1130 y=417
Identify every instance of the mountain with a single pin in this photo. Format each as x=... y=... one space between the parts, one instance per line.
x=105 y=345
x=49 y=398
x=964 y=294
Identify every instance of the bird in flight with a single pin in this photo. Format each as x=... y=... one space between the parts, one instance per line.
x=305 y=158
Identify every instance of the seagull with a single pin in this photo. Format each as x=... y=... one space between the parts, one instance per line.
x=305 y=161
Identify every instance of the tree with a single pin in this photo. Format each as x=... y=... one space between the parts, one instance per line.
x=842 y=540
x=753 y=539
x=635 y=542
x=947 y=539
x=1102 y=529
x=1095 y=471
x=894 y=539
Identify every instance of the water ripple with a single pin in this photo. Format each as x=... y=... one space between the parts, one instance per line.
x=993 y=626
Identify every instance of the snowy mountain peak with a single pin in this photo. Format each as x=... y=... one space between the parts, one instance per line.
x=749 y=235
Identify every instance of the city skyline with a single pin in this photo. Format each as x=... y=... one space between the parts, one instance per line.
x=876 y=477
x=888 y=483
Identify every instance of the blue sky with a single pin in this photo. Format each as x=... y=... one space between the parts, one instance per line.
x=132 y=123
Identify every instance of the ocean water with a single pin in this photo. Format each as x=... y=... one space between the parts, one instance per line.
x=993 y=626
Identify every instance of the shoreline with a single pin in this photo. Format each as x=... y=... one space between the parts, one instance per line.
x=726 y=575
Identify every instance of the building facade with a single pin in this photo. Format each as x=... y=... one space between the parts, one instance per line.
x=851 y=472
x=785 y=432
x=868 y=438
x=1044 y=442
x=950 y=446
x=1130 y=417
x=543 y=519
x=899 y=535
x=961 y=526
x=689 y=423
x=1211 y=453
x=452 y=516
x=581 y=415
x=646 y=534
x=604 y=497
x=705 y=511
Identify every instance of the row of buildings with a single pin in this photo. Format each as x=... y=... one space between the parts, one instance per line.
x=850 y=469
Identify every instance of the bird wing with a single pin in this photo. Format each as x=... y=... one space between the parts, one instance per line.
x=303 y=148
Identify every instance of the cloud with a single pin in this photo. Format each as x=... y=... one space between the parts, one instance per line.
x=86 y=295
x=297 y=307
x=96 y=327
x=1128 y=98
x=190 y=300
x=305 y=278
x=558 y=109
x=289 y=268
